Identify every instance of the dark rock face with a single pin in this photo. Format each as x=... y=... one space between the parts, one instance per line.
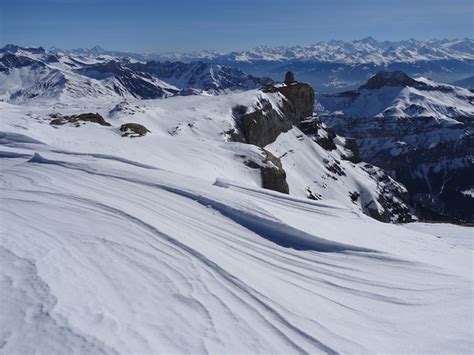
x=272 y=173
x=437 y=178
x=262 y=126
x=274 y=178
x=299 y=102
x=265 y=124
x=289 y=78
x=58 y=120
x=394 y=78
x=133 y=130
x=313 y=127
x=434 y=162
x=351 y=145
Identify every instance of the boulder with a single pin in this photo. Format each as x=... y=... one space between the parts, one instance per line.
x=133 y=130
x=272 y=173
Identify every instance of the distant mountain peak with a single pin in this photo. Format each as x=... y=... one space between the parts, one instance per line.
x=368 y=40
x=97 y=49
x=12 y=48
x=391 y=78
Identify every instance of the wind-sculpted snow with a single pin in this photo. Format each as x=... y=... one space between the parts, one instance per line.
x=99 y=254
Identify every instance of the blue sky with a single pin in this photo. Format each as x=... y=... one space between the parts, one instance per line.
x=183 y=25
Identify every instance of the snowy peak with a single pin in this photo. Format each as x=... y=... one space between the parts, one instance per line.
x=200 y=75
x=366 y=50
x=25 y=72
x=12 y=48
x=396 y=95
x=394 y=78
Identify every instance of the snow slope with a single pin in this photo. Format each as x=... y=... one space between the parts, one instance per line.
x=462 y=236
x=188 y=136
x=166 y=243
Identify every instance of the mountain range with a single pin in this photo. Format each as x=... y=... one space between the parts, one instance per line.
x=33 y=73
x=334 y=66
x=418 y=130
x=190 y=207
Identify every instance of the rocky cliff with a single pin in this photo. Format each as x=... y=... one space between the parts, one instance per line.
x=420 y=132
x=263 y=125
x=319 y=162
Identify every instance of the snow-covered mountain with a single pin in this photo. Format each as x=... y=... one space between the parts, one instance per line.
x=315 y=164
x=231 y=223
x=334 y=66
x=211 y=78
x=166 y=242
x=33 y=73
x=419 y=130
x=364 y=51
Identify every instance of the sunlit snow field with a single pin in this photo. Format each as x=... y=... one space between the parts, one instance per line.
x=166 y=244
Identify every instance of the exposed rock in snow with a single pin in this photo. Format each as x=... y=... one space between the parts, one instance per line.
x=420 y=131
x=133 y=130
x=264 y=124
x=59 y=120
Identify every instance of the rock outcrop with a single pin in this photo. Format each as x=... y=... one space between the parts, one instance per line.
x=58 y=120
x=133 y=130
x=289 y=78
x=264 y=124
x=272 y=173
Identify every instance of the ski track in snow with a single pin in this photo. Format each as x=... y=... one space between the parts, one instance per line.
x=103 y=258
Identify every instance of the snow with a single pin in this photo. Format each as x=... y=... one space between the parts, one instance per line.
x=167 y=244
x=348 y=52
x=458 y=235
x=444 y=103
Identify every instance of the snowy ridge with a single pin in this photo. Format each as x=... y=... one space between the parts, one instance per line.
x=36 y=74
x=394 y=98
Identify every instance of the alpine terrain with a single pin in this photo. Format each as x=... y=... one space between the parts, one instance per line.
x=150 y=205
x=419 y=131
